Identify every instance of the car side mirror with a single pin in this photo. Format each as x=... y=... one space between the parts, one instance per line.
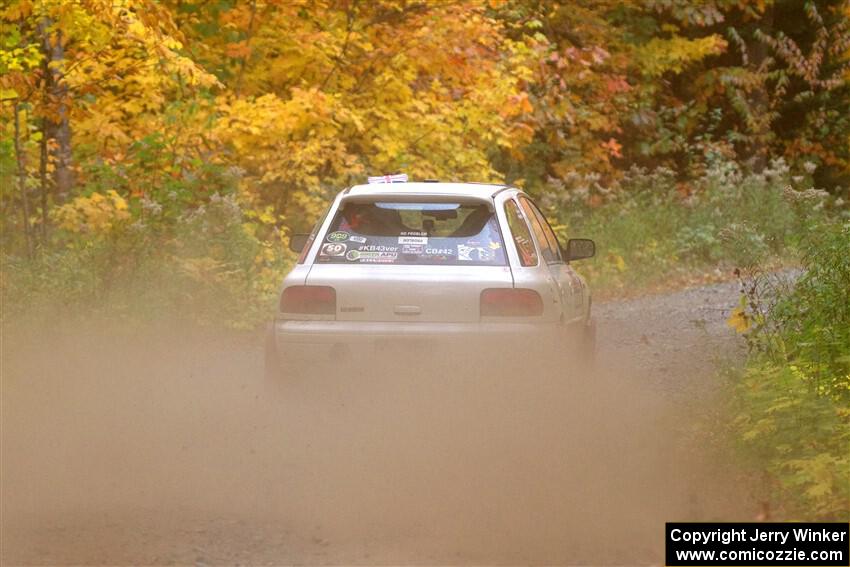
x=579 y=249
x=297 y=242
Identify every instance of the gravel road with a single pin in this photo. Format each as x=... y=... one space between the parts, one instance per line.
x=160 y=446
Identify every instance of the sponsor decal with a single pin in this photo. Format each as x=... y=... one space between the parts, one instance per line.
x=338 y=236
x=423 y=240
x=473 y=253
x=379 y=258
x=396 y=178
x=413 y=233
x=463 y=252
x=378 y=248
x=333 y=249
x=372 y=257
x=358 y=239
x=440 y=251
x=413 y=249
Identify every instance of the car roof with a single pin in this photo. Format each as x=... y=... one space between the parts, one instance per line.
x=427 y=188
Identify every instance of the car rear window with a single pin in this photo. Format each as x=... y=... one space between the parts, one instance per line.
x=413 y=233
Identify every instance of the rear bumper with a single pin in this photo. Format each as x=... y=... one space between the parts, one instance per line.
x=318 y=340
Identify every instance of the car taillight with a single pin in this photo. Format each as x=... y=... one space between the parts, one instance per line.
x=510 y=302
x=309 y=299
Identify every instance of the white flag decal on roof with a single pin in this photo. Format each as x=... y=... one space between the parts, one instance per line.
x=397 y=178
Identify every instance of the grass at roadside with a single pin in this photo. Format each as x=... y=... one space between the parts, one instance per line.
x=653 y=232
x=789 y=407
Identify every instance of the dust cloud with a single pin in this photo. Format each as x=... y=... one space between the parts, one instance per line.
x=163 y=445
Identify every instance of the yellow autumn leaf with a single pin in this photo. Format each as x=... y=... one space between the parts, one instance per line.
x=267 y=216
x=618 y=261
x=118 y=201
x=137 y=29
x=739 y=320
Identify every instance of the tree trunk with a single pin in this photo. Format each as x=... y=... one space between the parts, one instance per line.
x=22 y=181
x=58 y=128
x=248 y=35
x=759 y=99
x=42 y=178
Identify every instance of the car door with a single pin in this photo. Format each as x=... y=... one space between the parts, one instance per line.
x=569 y=283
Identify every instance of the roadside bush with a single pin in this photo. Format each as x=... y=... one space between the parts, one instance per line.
x=218 y=263
x=650 y=228
x=791 y=404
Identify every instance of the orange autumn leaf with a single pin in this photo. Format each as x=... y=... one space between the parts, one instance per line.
x=613 y=147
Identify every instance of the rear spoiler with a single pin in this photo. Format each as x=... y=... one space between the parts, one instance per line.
x=415 y=197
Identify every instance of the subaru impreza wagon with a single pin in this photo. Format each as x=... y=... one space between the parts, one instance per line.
x=424 y=263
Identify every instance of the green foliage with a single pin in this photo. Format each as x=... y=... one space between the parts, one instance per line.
x=799 y=438
x=659 y=56
x=815 y=319
x=791 y=405
x=657 y=83
x=216 y=263
x=651 y=228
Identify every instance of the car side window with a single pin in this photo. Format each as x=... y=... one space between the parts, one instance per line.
x=303 y=256
x=520 y=235
x=545 y=237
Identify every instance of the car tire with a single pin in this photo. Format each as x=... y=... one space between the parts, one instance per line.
x=587 y=344
x=272 y=368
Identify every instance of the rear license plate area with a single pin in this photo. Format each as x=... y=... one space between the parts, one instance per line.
x=403 y=346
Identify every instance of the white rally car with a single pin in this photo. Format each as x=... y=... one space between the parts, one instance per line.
x=422 y=262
